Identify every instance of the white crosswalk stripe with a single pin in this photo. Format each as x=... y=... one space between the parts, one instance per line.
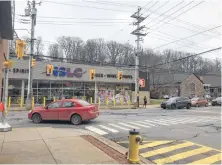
x=141 y=125
x=109 y=129
x=131 y=126
x=96 y=130
x=147 y=124
x=117 y=126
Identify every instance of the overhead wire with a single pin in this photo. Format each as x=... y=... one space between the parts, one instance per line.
x=187 y=37
x=178 y=15
x=84 y=6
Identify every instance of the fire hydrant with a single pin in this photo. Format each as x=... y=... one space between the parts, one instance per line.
x=134 y=141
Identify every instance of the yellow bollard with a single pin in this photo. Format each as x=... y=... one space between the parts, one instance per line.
x=134 y=141
x=114 y=101
x=21 y=102
x=107 y=100
x=9 y=102
x=54 y=99
x=99 y=101
x=129 y=102
x=91 y=100
x=43 y=101
x=33 y=102
x=121 y=100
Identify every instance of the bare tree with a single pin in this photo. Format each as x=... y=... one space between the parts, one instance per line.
x=71 y=46
x=91 y=50
x=115 y=51
x=55 y=51
x=39 y=47
x=128 y=55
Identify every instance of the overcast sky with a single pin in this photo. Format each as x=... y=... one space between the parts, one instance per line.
x=111 y=20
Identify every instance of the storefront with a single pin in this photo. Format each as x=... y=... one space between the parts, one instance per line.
x=70 y=80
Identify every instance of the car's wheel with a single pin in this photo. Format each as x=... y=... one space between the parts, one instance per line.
x=36 y=118
x=164 y=107
x=76 y=119
x=173 y=106
x=197 y=105
x=188 y=106
x=206 y=105
x=213 y=104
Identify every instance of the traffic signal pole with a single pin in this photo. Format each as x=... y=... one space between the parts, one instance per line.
x=33 y=12
x=4 y=126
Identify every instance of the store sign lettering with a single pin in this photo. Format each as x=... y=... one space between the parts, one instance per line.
x=67 y=72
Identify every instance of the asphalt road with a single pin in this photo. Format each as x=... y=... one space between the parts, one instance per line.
x=173 y=130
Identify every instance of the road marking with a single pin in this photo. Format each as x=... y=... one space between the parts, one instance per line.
x=182 y=155
x=156 y=122
x=141 y=125
x=96 y=130
x=209 y=160
x=205 y=111
x=166 y=149
x=117 y=126
x=145 y=122
x=127 y=125
x=154 y=144
x=109 y=129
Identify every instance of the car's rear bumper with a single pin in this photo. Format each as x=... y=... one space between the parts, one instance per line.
x=30 y=115
x=92 y=115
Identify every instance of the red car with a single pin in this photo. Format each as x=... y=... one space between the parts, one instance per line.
x=199 y=101
x=73 y=110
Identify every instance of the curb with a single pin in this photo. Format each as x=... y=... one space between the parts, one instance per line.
x=119 y=148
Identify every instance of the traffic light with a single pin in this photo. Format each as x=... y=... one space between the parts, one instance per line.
x=120 y=75
x=20 y=46
x=8 y=64
x=142 y=83
x=33 y=62
x=92 y=74
x=49 y=69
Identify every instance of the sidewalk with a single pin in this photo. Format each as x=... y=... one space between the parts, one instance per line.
x=102 y=107
x=48 y=145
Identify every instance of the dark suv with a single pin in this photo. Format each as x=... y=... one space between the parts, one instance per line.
x=176 y=102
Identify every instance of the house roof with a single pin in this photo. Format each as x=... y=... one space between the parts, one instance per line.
x=214 y=79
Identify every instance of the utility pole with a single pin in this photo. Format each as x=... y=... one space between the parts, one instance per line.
x=31 y=11
x=137 y=32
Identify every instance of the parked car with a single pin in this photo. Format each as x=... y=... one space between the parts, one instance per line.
x=166 y=96
x=176 y=102
x=73 y=110
x=199 y=101
x=216 y=101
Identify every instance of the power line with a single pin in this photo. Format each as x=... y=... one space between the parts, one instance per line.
x=77 y=18
x=99 y=8
x=187 y=37
x=193 y=55
x=109 y=3
x=179 y=14
x=149 y=7
x=174 y=12
x=165 y=11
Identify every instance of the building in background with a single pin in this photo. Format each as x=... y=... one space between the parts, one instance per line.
x=71 y=80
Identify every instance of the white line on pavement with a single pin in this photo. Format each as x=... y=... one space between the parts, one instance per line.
x=141 y=125
x=117 y=126
x=109 y=129
x=96 y=130
x=131 y=126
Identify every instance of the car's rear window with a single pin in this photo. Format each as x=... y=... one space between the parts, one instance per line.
x=83 y=103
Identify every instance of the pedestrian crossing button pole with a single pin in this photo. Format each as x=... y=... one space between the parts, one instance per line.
x=134 y=141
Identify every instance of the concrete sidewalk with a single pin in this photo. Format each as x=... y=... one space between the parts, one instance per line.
x=48 y=145
x=103 y=108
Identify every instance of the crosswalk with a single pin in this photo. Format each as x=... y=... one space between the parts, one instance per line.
x=147 y=124
x=178 y=152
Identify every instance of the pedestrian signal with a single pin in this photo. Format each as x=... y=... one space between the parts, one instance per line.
x=142 y=83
